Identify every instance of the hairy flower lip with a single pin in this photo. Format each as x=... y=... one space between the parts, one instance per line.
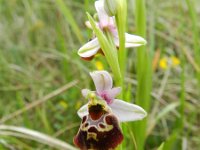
x=99 y=128
x=96 y=111
x=101 y=134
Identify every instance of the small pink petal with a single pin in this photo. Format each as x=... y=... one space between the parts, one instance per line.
x=110 y=94
x=102 y=80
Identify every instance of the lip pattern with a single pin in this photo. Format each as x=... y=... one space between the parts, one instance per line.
x=99 y=130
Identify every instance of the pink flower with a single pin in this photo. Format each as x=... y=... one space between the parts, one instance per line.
x=107 y=23
x=124 y=111
x=100 y=128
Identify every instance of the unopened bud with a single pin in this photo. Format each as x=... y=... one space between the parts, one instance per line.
x=111 y=7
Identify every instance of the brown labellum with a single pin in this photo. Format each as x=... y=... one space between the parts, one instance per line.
x=99 y=130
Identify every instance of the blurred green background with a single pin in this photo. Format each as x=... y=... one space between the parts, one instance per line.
x=39 y=40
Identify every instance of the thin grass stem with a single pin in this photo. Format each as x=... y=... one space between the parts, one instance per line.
x=144 y=74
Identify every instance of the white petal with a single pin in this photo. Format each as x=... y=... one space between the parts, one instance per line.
x=104 y=19
x=90 y=48
x=83 y=111
x=127 y=111
x=85 y=92
x=102 y=80
x=116 y=41
x=134 y=40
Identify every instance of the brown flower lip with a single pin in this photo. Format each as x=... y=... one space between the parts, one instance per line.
x=99 y=130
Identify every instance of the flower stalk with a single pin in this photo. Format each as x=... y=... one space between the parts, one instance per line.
x=144 y=74
x=121 y=27
x=108 y=48
x=122 y=57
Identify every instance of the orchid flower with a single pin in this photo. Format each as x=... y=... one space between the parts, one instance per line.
x=101 y=115
x=124 y=111
x=107 y=23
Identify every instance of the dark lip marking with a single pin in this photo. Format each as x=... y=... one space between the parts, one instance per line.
x=96 y=111
x=101 y=134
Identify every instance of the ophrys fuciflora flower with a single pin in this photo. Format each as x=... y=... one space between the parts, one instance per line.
x=100 y=129
x=106 y=23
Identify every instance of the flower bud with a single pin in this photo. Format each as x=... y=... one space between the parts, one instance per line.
x=111 y=7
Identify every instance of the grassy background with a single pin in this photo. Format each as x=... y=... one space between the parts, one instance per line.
x=38 y=54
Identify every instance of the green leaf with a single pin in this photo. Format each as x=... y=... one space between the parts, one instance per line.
x=161 y=146
x=70 y=19
x=34 y=135
x=108 y=48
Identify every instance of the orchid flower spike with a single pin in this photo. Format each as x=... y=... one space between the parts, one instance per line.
x=124 y=111
x=91 y=48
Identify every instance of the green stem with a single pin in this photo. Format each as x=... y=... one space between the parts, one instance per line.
x=144 y=74
x=109 y=49
x=86 y=4
x=122 y=53
x=121 y=26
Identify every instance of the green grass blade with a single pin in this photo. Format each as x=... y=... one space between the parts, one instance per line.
x=34 y=135
x=70 y=19
x=195 y=32
x=144 y=74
